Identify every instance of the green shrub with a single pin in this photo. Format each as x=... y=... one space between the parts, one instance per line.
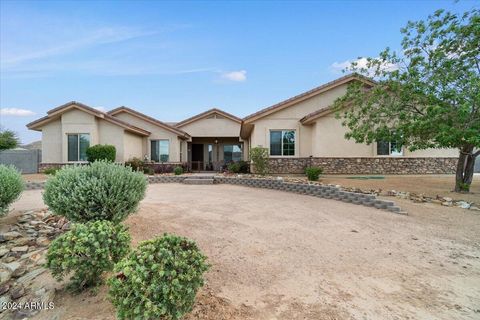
x=100 y=191
x=239 y=167
x=87 y=250
x=148 y=170
x=259 y=157
x=159 y=280
x=464 y=187
x=234 y=167
x=313 y=173
x=136 y=164
x=101 y=152
x=51 y=170
x=178 y=171
x=11 y=186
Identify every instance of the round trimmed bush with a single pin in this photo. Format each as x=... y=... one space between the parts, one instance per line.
x=100 y=191
x=101 y=152
x=87 y=250
x=11 y=186
x=313 y=173
x=178 y=171
x=159 y=280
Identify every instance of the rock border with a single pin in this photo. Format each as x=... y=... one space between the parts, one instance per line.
x=316 y=190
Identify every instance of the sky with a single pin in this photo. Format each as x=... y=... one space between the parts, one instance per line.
x=172 y=60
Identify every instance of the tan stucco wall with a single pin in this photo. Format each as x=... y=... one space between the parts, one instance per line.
x=325 y=137
x=288 y=119
x=207 y=127
x=133 y=146
x=52 y=142
x=76 y=121
x=157 y=133
x=55 y=141
x=112 y=134
x=329 y=140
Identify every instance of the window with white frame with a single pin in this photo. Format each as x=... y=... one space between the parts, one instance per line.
x=160 y=150
x=77 y=146
x=389 y=148
x=282 y=142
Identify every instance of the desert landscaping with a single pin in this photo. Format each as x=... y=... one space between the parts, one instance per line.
x=278 y=255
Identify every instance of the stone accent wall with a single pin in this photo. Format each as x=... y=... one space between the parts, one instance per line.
x=380 y=165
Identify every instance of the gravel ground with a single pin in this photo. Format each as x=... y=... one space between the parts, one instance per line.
x=429 y=185
x=278 y=255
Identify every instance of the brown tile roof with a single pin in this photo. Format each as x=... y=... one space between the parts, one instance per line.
x=206 y=113
x=307 y=94
x=54 y=113
x=149 y=119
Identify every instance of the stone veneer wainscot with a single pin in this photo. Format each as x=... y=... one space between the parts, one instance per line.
x=366 y=165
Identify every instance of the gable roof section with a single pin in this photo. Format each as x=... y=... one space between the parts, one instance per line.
x=154 y=121
x=55 y=113
x=306 y=95
x=311 y=117
x=206 y=114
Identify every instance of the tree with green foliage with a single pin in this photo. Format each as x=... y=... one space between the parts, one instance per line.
x=426 y=96
x=8 y=139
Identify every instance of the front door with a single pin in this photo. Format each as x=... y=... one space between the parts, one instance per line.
x=197 y=157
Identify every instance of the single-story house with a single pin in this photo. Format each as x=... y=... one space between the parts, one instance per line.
x=297 y=132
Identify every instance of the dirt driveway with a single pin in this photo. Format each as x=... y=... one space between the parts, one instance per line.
x=278 y=255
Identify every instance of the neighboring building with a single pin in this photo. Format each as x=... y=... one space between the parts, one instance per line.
x=298 y=132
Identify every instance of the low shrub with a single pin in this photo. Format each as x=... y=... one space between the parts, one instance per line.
x=239 y=167
x=136 y=164
x=178 y=171
x=101 y=152
x=158 y=280
x=100 y=191
x=148 y=170
x=87 y=250
x=51 y=170
x=11 y=186
x=313 y=173
x=234 y=167
x=259 y=157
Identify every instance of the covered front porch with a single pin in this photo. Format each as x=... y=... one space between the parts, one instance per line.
x=214 y=153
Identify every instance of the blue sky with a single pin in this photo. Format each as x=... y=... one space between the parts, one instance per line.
x=172 y=60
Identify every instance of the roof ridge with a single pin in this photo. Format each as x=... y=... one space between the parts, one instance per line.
x=326 y=85
x=97 y=112
x=138 y=113
x=204 y=113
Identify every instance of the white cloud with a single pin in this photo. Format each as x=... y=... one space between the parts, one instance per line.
x=337 y=67
x=237 y=76
x=94 y=38
x=16 y=112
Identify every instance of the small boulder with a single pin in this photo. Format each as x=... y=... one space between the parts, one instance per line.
x=3 y=251
x=5 y=274
x=21 y=249
x=17 y=268
x=7 y=236
x=17 y=291
x=43 y=241
x=4 y=288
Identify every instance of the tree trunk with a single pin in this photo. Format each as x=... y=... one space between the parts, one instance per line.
x=465 y=168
